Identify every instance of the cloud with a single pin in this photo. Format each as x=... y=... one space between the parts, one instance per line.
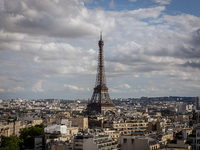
x=151 y=89
x=146 y=12
x=181 y=23
x=166 y=51
x=124 y=17
x=162 y=2
x=115 y=90
x=73 y=88
x=132 y=0
x=16 y=89
x=38 y=87
x=87 y=1
x=2 y=90
x=179 y=75
x=51 y=18
x=193 y=64
x=120 y=88
x=196 y=37
x=112 y=4
x=44 y=44
x=124 y=86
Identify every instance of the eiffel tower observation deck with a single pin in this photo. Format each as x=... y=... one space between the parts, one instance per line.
x=101 y=101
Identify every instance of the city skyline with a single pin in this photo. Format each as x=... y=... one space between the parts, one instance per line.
x=48 y=49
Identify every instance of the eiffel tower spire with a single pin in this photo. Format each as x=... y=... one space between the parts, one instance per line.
x=101 y=101
x=100 y=80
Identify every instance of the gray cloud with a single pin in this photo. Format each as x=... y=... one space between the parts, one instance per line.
x=192 y=64
x=51 y=18
x=196 y=38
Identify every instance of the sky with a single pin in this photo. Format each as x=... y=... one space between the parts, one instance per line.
x=49 y=48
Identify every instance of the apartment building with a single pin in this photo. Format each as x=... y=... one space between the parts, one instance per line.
x=92 y=142
x=138 y=142
x=129 y=127
x=80 y=122
x=10 y=128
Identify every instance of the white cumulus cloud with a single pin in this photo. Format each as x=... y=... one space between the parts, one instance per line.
x=163 y=2
x=38 y=87
x=73 y=88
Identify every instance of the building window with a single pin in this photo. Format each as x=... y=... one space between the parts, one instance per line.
x=125 y=140
x=132 y=141
x=198 y=141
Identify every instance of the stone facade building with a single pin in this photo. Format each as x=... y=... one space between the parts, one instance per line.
x=81 y=123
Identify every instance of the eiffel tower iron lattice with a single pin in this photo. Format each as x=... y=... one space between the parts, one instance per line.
x=101 y=101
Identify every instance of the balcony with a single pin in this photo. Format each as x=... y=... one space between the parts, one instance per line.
x=112 y=146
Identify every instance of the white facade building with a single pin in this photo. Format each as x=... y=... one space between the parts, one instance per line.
x=56 y=129
x=190 y=107
x=66 y=122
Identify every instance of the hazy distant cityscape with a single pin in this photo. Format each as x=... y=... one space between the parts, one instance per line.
x=148 y=122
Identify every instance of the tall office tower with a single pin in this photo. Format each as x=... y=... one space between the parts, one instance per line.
x=197 y=99
x=100 y=101
x=183 y=107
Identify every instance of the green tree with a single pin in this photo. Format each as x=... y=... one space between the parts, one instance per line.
x=10 y=143
x=168 y=141
x=28 y=135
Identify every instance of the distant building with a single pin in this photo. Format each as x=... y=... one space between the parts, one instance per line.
x=179 y=144
x=186 y=132
x=14 y=128
x=33 y=121
x=91 y=142
x=113 y=134
x=59 y=133
x=81 y=123
x=11 y=128
x=56 y=145
x=197 y=99
x=70 y=133
x=196 y=118
x=190 y=107
x=129 y=127
x=62 y=129
x=197 y=138
x=183 y=119
x=50 y=120
x=138 y=143
x=154 y=126
x=164 y=136
x=97 y=131
x=66 y=122
x=38 y=142
x=183 y=108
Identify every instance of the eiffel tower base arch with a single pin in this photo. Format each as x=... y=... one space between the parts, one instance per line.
x=102 y=108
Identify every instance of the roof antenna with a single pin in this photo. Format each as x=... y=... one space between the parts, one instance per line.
x=101 y=35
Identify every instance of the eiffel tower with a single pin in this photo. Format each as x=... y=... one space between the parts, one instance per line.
x=101 y=101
